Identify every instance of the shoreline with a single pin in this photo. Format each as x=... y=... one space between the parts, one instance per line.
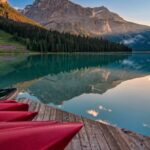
x=66 y=53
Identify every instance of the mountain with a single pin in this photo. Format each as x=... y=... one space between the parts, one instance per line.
x=66 y=16
x=8 y=12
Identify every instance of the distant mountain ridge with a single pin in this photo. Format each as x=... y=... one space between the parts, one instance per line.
x=66 y=16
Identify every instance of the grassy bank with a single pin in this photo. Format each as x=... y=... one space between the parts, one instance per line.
x=9 y=45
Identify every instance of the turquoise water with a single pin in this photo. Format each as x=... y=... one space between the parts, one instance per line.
x=110 y=88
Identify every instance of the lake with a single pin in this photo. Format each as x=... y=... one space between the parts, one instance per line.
x=102 y=87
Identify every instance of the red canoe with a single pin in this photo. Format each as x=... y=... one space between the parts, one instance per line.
x=6 y=116
x=8 y=101
x=14 y=107
x=54 y=137
x=25 y=124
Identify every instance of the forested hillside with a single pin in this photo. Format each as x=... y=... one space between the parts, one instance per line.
x=42 y=40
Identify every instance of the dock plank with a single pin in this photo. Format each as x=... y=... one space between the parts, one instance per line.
x=76 y=143
x=100 y=137
x=67 y=119
x=37 y=108
x=53 y=114
x=91 y=135
x=138 y=141
x=83 y=136
x=41 y=113
x=109 y=138
x=59 y=115
x=120 y=141
x=32 y=105
x=94 y=135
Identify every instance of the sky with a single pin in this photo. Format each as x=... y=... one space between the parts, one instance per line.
x=132 y=10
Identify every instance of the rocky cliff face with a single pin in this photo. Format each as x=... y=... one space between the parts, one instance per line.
x=7 y=11
x=3 y=1
x=65 y=16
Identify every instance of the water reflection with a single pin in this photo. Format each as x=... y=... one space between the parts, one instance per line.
x=15 y=69
x=96 y=74
x=58 y=78
x=113 y=88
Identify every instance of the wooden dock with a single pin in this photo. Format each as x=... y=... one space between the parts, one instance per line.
x=94 y=135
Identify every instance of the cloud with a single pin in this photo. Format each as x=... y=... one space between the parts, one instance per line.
x=128 y=62
x=93 y=113
x=109 y=110
x=146 y=125
x=104 y=108
x=131 y=64
x=132 y=40
x=17 y=8
x=104 y=122
x=128 y=41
